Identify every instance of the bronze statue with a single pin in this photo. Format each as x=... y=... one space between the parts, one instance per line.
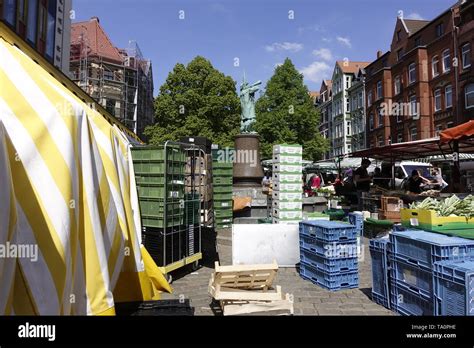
x=247 y=101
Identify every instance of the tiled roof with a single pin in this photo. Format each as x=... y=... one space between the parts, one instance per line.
x=96 y=39
x=413 y=25
x=349 y=67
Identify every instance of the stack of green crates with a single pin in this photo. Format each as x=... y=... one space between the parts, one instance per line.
x=222 y=181
x=159 y=175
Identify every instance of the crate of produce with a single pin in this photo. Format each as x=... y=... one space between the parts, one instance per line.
x=223 y=204
x=412 y=276
x=329 y=265
x=288 y=214
x=379 y=249
x=283 y=187
x=287 y=196
x=288 y=149
x=391 y=203
x=225 y=181
x=454 y=288
x=428 y=220
x=407 y=302
x=277 y=221
x=287 y=159
x=157 y=153
x=315 y=217
x=287 y=178
x=332 y=250
x=227 y=196
x=393 y=216
x=287 y=168
x=423 y=248
x=329 y=231
x=165 y=247
x=332 y=282
x=284 y=205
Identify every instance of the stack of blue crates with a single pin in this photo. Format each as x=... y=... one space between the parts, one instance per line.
x=454 y=288
x=413 y=257
x=329 y=254
x=379 y=252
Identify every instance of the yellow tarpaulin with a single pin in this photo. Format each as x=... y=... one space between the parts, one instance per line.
x=66 y=199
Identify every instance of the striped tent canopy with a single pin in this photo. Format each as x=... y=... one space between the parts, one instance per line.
x=69 y=227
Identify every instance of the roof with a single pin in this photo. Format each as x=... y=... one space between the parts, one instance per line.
x=96 y=39
x=349 y=67
x=314 y=95
x=414 y=25
x=328 y=83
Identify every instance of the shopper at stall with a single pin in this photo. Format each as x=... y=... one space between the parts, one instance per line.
x=362 y=180
x=415 y=182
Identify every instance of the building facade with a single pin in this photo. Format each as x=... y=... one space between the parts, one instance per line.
x=425 y=83
x=356 y=94
x=121 y=80
x=44 y=24
x=324 y=106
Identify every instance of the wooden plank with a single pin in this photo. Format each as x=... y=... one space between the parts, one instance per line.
x=243 y=295
x=281 y=307
x=246 y=268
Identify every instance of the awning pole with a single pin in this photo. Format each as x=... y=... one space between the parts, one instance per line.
x=456 y=180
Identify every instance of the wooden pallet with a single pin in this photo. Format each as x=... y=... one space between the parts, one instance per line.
x=245 y=290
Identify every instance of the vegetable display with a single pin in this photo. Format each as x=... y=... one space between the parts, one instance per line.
x=452 y=206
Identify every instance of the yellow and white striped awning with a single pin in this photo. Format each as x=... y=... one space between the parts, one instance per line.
x=67 y=191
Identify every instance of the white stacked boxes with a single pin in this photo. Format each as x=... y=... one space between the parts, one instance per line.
x=287 y=206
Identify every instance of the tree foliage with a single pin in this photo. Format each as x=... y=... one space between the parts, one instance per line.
x=286 y=114
x=196 y=100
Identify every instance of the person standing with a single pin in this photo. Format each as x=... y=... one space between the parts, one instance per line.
x=362 y=180
x=415 y=181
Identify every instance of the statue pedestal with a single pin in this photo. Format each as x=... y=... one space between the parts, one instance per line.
x=248 y=171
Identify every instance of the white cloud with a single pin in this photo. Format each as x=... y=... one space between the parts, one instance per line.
x=316 y=71
x=311 y=28
x=284 y=46
x=326 y=39
x=344 y=41
x=323 y=53
x=415 y=15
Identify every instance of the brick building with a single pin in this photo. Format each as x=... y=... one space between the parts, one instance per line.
x=424 y=84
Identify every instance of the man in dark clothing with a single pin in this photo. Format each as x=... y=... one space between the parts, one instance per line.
x=415 y=181
x=362 y=180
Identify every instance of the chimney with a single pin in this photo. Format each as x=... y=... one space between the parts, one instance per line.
x=95 y=19
x=379 y=54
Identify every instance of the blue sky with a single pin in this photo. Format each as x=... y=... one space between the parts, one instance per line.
x=259 y=33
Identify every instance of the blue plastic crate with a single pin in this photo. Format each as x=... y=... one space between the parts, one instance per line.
x=454 y=288
x=331 y=250
x=329 y=231
x=380 y=270
x=357 y=220
x=412 y=276
x=423 y=248
x=407 y=302
x=329 y=265
x=332 y=282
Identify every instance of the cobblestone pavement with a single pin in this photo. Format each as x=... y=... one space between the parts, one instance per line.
x=309 y=299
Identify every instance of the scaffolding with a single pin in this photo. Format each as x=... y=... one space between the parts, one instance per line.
x=123 y=87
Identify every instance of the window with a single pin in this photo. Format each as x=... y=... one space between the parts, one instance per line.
x=380 y=141
x=466 y=56
x=399 y=55
x=469 y=96
x=348 y=82
x=439 y=30
x=437 y=99
x=413 y=133
x=400 y=138
x=371 y=121
x=446 y=61
x=51 y=31
x=448 y=96
x=369 y=98
x=418 y=41
x=31 y=29
x=435 y=66
x=9 y=11
x=379 y=90
x=360 y=102
x=413 y=106
x=42 y=22
x=412 y=73
x=348 y=128
x=380 y=118
x=348 y=107
x=398 y=86
x=439 y=129
x=22 y=10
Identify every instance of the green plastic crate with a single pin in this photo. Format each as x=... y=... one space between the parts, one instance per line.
x=222 y=196
x=158 y=191
x=223 y=221
x=223 y=226
x=223 y=213
x=222 y=165
x=153 y=212
x=223 y=204
x=157 y=153
x=159 y=179
x=158 y=167
x=222 y=181
x=217 y=172
x=222 y=189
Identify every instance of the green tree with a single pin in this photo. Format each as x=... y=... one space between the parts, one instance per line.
x=286 y=114
x=196 y=100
